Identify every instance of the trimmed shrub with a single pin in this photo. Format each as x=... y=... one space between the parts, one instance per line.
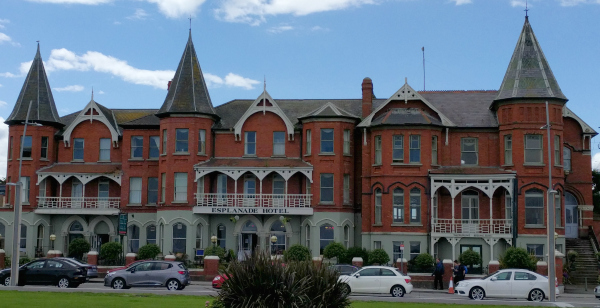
x=262 y=282
x=517 y=257
x=469 y=257
x=215 y=251
x=355 y=252
x=78 y=247
x=334 y=250
x=24 y=260
x=296 y=253
x=111 y=251
x=379 y=256
x=424 y=262
x=148 y=252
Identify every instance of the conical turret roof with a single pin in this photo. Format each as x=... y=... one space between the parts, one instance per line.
x=528 y=74
x=37 y=90
x=188 y=92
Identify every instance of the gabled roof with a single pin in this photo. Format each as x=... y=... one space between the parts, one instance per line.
x=94 y=111
x=329 y=110
x=406 y=93
x=188 y=92
x=36 y=89
x=405 y=116
x=263 y=104
x=528 y=74
x=584 y=126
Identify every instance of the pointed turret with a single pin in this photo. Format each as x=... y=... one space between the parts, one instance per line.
x=187 y=92
x=528 y=74
x=37 y=90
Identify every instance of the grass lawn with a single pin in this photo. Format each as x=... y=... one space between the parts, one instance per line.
x=106 y=300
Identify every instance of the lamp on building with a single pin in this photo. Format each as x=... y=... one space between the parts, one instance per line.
x=52 y=239
x=213 y=239
x=273 y=241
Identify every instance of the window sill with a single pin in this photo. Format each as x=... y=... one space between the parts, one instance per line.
x=136 y=159
x=414 y=225
x=163 y=154
x=25 y=158
x=134 y=205
x=152 y=159
x=509 y=165
x=278 y=156
x=151 y=205
x=557 y=227
x=378 y=225
x=435 y=165
x=181 y=153
x=535 y=226
x=376 y=165
x=399 y=224
x=25 y=203
x=179 y=202
x=534 y=165
x=558 y=166
x=201 y=154
x=249 y=156
x=308 y=154
x=407 y=165
x=326 y=203
x=347 y=155
x=77 y=161
x=103 y=161
x=44 y=159
x=326 y=154
x=469 y=165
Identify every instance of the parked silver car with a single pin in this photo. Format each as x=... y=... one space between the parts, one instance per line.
x=170 y=274
x=92 y=270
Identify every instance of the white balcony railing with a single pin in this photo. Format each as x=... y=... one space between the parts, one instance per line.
x=78 y=202
x=472 y=226
x=257 y=200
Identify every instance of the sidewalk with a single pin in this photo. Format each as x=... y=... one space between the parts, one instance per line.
x=579 y=293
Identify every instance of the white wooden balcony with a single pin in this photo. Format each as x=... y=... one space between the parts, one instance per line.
x=472 y=227
x=293 y=204
x=78 y=205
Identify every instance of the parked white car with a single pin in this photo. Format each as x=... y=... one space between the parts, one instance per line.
x=378 y=279
x=511 y=283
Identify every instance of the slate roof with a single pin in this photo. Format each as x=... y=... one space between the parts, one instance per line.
x=149 y=120
x=188 y=92
x=329 y=110
x=465 y=108
x=528 y=74
x=405 y=116
x=254 y=163
x=36 y=89
x=95 y=168
x=125 y=117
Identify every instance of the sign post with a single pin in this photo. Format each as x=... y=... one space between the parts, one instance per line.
x=402 y=258
x=123 y=230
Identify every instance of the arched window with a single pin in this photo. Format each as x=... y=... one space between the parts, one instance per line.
x=307 y=235
x=571 y=213
x=415 y=205
x=347 y=236
x=161 y=234
x=199 y=237
x=326 y=232
x=557 y=209
x=75 y=231
x=151 y=234
x=179 y=238
x=39 y=247
x=221 y=235
x=278 y=230
x=398 y=210
x=378 y=206
x=249 y=226
x=534 y=207
x=567 y=159
x=2 y=235
x=23 y=243
x=133 y=234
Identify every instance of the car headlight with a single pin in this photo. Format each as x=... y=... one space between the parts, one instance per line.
x=218 y=278
x=462 y=284
x=110 y=274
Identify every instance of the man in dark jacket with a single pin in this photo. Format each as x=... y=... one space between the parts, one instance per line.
x=438 y=272
x=459 y=272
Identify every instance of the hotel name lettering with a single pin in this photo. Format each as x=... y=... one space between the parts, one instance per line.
x=229 y=210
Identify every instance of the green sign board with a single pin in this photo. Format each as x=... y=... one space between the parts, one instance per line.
x=123 y=224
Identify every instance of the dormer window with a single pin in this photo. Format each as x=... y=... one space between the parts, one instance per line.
x=250 y=143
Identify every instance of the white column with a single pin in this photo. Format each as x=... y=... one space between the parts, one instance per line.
x=491 y=198
x=432 y=222
x=285 y=194
x=235 y=203
x=60 y=196
x=453 y=226
x=261 y=204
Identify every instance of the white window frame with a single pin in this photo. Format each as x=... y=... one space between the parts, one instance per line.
x=154 y=143
x=529 y=148
x=378 y=206
x=27 y=143
x=104 y=154
x=414 y=207
x=378 y=155
x=346 y=188
x=137 y=146
x=77 y=149
x=415 y=149
x=149 y=190
x=202 y=141
x=308 y=141
x=199 y=230
x=249 y=145
x=182 y=145
x=322 y=188
x=135 y=190
x=463 y=151
x=398 y=148
x=508 y=150
x=567 y=159
x=346 y=142
x=180 y=187
x=328 y=141
x=535 y=193
x=398 y=205
x=44 y=148
x=164 y=142
x=557 y=147
x=278 y=147
x=434 y=150
x=26 y=189
x=163 y=187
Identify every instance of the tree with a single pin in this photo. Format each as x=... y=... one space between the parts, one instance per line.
x=334 y=250
x=596 y=190
x=470 y=257
x=110 y=251
x=517 y=257
x=379 y=256
x=148 y=252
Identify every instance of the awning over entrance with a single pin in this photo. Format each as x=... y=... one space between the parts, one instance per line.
x=84 y=172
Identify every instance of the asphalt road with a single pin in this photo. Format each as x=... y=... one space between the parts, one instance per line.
x=417 y=296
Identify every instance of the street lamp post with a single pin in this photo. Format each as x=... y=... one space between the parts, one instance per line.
x=551 y=218
x=52 y=239
x=273 y=241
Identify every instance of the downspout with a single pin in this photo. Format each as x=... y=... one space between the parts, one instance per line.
x=515 y=210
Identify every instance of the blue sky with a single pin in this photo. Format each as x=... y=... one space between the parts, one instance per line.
x=127 y=50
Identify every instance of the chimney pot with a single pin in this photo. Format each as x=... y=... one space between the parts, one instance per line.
x=169 y=85
x=367 y=97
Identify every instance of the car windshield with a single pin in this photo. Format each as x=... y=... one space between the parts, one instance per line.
x=397 y=271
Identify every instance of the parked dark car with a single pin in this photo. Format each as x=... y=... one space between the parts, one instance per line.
x=170 y=274
x=92 y=270
x=60 y=273
x=344 y=269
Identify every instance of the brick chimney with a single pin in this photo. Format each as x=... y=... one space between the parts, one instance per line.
x=169 y=85
x=367 y=97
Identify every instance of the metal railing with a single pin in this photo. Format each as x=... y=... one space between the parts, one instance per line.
x=78 y=202
x=472 y=226
x=254 y=200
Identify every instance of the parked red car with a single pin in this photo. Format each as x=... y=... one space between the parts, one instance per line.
x=218 y=281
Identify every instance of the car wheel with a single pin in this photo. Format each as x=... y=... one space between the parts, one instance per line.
x=118 y=284
x=173 y=285
x=477 y=293
x=63 y=282
x=536 y=295
x=397 y=291
x=181 y=287
x=6 y=281
x=346 y=289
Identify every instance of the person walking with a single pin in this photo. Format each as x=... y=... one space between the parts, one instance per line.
x=438 y=272
x=459 y=272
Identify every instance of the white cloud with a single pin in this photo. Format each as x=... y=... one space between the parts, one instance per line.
x=596 y=161
x=178 y=8
x=139 y=14
x=518 y=3
x=86 y=2
x=3 y=149
x=8 y=75
x=2 y=22
x=116 y=23
x=319 y=28
x=1 y=85
x=461 y=2
x=3 y=103
x=280 y=29
x=577 y=2
x=100 y=92
x=4 y=38
x=231 y=80
x=73 y=88
x=255 y=11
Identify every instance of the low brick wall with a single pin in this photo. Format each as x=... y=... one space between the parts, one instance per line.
x=425 y=280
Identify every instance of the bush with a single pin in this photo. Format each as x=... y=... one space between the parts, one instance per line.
x=78 y=247
x=24 y=260
x=516 y=257
x=355 y=252
x=230 y=255
x=111 y=251
x=296 y=253
x=215 y=251
x=262 y=282
x=334 y=250
x=148 y=252
x=424 y=262
x=469 y=257
x=379 y=256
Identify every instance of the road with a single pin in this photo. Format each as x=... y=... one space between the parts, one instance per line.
x=418 y=296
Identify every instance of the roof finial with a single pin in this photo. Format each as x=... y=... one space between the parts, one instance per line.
x=526 y=9
x=405 y=80
x=92 y=93
x=190 y=23
x=264 y=100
